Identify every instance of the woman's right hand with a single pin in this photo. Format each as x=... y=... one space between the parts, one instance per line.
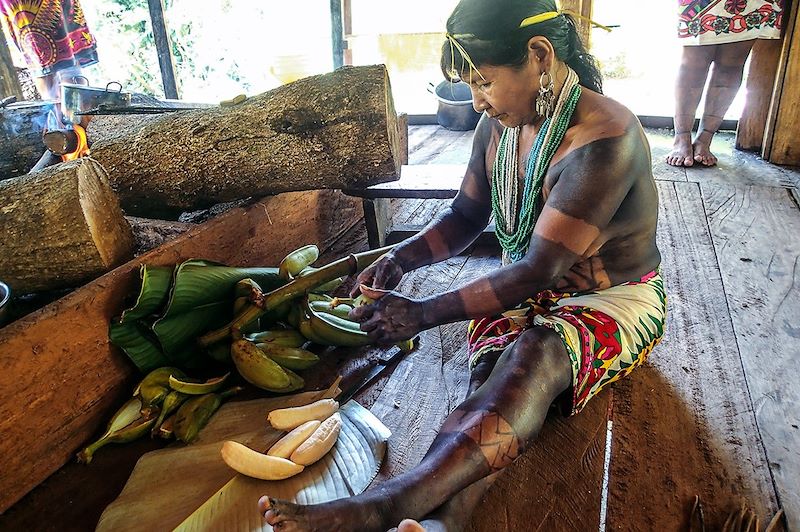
x=385 y=274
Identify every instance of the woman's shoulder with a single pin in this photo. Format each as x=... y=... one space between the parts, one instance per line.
x=602 y=117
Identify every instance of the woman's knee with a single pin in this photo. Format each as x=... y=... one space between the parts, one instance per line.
x=541 y=351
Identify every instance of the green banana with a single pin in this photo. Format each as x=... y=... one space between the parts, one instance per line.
x=337 y=331
x=297 y=261
x=166 y=429
x=295 y=315
x=155 y=386
x=256 y=367
x=171 y=403
x=304 y=326
x=289 y=357
x=239 y=303
x=296 y=382
x=126 y=425
x=285 y=337
x=341 y=311
x=193 y=415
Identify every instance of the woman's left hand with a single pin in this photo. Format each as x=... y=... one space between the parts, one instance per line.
x=390 y=319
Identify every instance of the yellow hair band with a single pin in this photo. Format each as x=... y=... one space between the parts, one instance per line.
x=549 y=15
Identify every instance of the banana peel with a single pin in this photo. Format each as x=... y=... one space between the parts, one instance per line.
x=127 y=424
x=172 y=402
x=194 y=387
x=155 y=386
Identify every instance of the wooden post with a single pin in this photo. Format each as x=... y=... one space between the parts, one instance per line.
x=780 y=138
x=583 y=8
x=9 y=84
x=163 y=48
x=337 y=36
x=760 y=83
x=347 y=25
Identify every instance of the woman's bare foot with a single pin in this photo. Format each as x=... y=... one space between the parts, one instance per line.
x=682 y=153
x=334 y=516
x=702 y=149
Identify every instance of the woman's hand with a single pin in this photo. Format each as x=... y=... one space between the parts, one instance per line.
x=384 y=273
x=390 y=319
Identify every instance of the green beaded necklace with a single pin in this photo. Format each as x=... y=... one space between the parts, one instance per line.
x=514 y=231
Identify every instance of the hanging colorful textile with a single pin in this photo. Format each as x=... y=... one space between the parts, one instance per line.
x=723 y=21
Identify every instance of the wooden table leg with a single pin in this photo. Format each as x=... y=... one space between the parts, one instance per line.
x=376 y=218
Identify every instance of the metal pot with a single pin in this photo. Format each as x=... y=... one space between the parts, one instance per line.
x=5 y=301
x=455 y=106
x=77 y=98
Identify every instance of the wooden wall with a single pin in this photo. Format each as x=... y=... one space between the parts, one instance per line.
x=783 y=124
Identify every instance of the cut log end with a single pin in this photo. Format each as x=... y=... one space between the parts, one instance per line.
x=62 y=227
x=110 y=232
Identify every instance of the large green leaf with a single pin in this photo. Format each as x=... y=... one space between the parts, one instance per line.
x=153 y=293
x=201 y=282
x=176 y=331
x=133 y=339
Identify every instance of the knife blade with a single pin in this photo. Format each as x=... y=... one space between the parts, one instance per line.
x=376 y=368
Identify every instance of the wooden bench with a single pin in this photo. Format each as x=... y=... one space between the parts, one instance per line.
x=418 y=181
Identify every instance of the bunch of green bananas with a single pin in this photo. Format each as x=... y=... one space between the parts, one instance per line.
x=165 y=403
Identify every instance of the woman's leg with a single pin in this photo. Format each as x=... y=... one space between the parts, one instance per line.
x=481 y=437
x=688 y=92
x=726 y=78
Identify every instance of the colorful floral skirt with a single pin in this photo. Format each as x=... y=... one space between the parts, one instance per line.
x=607 y=332
x=723 y=21
x=52 y=34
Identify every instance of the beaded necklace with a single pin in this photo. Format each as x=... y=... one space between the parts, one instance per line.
x=514 y=230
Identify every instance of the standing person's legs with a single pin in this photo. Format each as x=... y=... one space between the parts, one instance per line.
x=726 y=78
x=689 y=86
x=481 y=437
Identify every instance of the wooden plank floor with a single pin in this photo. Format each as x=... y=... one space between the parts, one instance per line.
x=714 y=412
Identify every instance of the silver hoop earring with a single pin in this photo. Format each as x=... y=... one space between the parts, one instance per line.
x=546 y=98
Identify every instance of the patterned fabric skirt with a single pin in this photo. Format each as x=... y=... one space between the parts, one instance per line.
x=52 y=34
x=723 y=21
x=607 y=332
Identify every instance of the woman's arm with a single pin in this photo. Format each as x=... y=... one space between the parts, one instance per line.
x=594 y=181
x=449 y=233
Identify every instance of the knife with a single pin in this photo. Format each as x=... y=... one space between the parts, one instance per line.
x=375 y=369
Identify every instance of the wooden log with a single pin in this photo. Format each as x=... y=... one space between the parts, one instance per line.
x=21 y=128
x=58 y=390
x=61 y=227
x=336 y=130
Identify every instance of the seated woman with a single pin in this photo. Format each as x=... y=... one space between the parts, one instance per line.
x=579 y=301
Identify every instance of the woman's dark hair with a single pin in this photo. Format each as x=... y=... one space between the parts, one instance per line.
x=489 y=33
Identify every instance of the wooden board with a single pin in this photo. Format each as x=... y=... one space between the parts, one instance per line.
x=57 y=389
x=427 y=181
x=764 y=59
x=755 y=233
x=683 y=423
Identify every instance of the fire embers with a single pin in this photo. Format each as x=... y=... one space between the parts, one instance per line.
x=68 y=143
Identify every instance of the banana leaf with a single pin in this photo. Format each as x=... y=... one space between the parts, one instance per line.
x=201 y=282
x=176 y=331
x=345 y=471
x=133 y=338
x=153 y=293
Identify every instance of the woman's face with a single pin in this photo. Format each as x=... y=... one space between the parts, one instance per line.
x=506 y=93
